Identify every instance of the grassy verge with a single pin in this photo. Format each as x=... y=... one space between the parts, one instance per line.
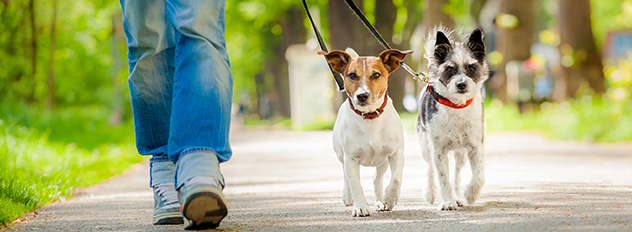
x=590 y=119
x=46 y=155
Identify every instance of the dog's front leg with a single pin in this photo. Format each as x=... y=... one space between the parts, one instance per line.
x=459 y=161
x=397 y=169
x=352 y=174
x=473 y=189
x=378 y=186
x=347 y=198
x=447 y=196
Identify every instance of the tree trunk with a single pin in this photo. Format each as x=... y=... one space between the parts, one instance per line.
x=384 y=21
x=117 y=37
x=50 y=98
x=31 y=9
x=513 y=43
x=293 y=32
x=435 y=16
x=575 y=30
x=413 y=20
x=345 y=30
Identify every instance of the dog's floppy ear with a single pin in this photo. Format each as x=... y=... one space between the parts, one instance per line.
x=476 y=45
x=442 y=48
x=338 y=60
x=391 y=58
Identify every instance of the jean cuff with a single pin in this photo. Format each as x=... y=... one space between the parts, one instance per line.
x=161 y=170
x=197 y=162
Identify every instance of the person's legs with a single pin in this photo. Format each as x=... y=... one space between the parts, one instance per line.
x=200 y=116
x=151 y=56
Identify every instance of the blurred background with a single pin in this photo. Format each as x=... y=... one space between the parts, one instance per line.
x=559 y=67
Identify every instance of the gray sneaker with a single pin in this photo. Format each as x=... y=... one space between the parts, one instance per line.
x=203 y=204
x=166 y=205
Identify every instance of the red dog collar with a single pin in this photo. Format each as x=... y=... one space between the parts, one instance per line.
x=446 y=102
x=374 y=114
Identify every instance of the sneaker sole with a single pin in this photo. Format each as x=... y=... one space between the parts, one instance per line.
x=204 y=210
x=168 y=218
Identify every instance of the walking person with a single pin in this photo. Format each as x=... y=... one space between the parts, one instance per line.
x=181 y=93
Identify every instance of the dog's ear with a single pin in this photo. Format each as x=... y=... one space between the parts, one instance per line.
x=391 y=58
x=476 y=45
x=442 y=48
x=338 y=60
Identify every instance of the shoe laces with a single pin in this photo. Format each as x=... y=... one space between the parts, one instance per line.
x=167 y=193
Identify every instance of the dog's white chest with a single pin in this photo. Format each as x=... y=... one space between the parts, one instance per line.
x=369 y=142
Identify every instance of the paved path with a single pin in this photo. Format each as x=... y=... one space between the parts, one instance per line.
x=292 y=181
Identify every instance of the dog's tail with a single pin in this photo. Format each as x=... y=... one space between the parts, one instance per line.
x=352 y=53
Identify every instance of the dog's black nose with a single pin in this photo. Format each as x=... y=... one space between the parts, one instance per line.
x=362 y=97
x=461 y=86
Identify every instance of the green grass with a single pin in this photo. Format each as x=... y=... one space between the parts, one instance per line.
x=46 y=155
x=590 y=119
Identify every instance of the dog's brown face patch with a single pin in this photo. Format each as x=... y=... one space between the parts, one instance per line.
x=365 y=75
x=369 y=71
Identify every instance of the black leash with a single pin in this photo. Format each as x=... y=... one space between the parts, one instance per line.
x=337 y=77
x=378 y=37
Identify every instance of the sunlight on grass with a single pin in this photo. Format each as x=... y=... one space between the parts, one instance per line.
x=590 y=119
x=45 y=156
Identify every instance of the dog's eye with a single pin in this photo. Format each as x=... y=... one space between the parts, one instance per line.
x=471 y=68
x=353 y=76
x=375 y=76
x=450 y=70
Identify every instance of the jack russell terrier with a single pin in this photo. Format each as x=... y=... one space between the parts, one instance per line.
x=450 y=118
x=368 y=130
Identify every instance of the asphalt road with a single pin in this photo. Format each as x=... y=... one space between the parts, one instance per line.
x=292 y=181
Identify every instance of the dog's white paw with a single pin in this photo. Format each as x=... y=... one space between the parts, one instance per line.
x=459 y=202
x=430 y=197
x=471 y=194
x=448 y=206
x=348 y=200
x=382 y=206
x=361 y=212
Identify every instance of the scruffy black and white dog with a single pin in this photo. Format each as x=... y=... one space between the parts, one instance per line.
x=450 y=118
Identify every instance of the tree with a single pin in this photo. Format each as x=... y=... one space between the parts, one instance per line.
x=345 y=30
x=435 y=15
x=31 y=9
x=50 y=97
x=582 y=59
x=515 y=33
x=384 y=21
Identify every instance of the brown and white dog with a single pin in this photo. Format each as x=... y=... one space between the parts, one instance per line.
x=368 y=130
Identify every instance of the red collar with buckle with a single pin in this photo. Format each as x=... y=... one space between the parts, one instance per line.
x=446 y=102
x=374 y=114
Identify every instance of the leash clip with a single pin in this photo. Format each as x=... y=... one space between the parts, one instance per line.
x=424 y=77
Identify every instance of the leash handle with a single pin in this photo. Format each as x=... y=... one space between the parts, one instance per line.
x=323 y=46
x=384 y=44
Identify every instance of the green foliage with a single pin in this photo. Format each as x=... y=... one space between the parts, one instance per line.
x=608 y=16
x=45 y=156
x=248 y=24
x=82 y=58
x=592 y=119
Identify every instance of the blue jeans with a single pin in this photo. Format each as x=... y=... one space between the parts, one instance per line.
x=180 y=85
